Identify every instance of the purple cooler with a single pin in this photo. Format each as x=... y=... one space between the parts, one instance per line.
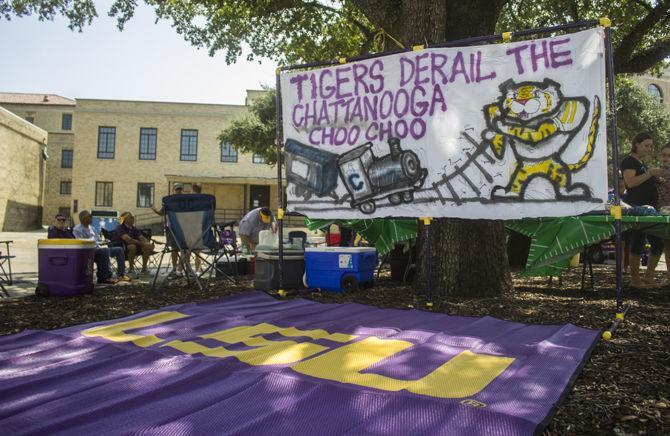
x=65 y=267
x=340 y=269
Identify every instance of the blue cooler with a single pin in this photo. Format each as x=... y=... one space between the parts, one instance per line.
x=65 y=267
x=340 y=269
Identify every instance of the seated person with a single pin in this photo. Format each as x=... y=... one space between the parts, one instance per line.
x=60 y=230
x=85 y=230
x=251 y=225
x=129 y=236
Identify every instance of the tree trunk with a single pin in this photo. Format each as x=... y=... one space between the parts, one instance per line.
x=468 y=257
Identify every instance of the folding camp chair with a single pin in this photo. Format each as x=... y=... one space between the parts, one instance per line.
x=226 y=247
x=188 y=219
x=154 y=255
x=5 y=266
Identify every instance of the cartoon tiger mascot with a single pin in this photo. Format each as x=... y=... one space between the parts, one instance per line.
x=538 y=123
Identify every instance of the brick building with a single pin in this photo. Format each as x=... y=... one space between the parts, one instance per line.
x=22 y=171
x=54 y=114
x=125 y=155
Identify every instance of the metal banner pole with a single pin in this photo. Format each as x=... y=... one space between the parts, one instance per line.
x=615 y=210
x=280 y=193
x=426 y=261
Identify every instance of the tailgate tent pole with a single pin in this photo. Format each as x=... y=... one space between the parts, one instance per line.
x=616 y=208
x=280 y=189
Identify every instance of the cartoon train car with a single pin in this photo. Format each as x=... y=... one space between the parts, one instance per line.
x=369 y=178
x=311 y=170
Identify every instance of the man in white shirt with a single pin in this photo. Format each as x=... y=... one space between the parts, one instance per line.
x=84 y=230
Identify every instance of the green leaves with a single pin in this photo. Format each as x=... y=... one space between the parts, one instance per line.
x=255 y=133
x=638 y=112
x=297 y=31
x=288 y=31
x=79 y=12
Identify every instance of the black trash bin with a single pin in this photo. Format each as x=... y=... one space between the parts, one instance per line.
x=267 y=270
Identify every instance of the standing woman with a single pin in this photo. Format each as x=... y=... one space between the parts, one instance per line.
x=641 y=191
x=663 y=187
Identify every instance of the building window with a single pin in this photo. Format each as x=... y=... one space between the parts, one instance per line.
x=148 y=143
x=103 y=193
x=106 y=142
x=145 y=194
x=66 y=158
x=228 y=153
x=655 y=92
x=31 y=120
x=258 y=159
x=189 y=145
x=66 y=122
x=65 y=187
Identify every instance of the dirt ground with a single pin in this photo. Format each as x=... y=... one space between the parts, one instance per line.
x=622 y=390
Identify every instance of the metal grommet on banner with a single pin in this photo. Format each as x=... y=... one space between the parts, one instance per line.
x=507 y=36
x=342 y=60
x=280 y=214
x=615 y=211
x=418 y=47
x=605 y=22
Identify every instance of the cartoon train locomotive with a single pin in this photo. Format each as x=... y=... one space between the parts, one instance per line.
x=367 y=178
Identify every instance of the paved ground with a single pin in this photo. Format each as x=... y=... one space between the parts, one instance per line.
x=24 y=264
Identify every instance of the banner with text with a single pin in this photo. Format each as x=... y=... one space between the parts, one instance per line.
x=497 y=131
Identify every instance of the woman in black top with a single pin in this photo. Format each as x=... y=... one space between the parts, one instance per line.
x=641 y=191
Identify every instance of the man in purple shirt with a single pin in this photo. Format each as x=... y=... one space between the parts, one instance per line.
x=126 y=234
x=59 y=230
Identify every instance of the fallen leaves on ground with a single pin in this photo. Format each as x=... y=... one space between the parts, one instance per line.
x=622 y=389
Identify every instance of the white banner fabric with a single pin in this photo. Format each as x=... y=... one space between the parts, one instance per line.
x=496 y=132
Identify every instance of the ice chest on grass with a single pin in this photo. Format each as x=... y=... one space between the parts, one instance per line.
x=340 y=269
x=65 y=267
x=266 y=276
x=243 y=266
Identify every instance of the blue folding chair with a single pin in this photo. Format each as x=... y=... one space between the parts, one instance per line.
x=188 y=219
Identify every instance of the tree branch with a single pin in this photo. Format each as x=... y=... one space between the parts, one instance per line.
x=361 y=26
x=625 y=49
x=380 y=13
x=645 y=59
x=644 y=4
x=279 y=6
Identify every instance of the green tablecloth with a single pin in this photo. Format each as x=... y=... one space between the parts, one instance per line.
x=383 y=233
x=555 y=240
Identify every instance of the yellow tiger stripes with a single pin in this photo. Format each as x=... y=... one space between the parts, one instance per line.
x=528 y=134
x=593 y=132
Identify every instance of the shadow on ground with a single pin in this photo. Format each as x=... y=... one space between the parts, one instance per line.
x=622 y=389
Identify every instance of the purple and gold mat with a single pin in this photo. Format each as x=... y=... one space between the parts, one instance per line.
x=249 y=364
